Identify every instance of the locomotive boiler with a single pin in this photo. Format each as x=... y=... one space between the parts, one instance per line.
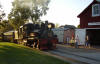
x=38 y=36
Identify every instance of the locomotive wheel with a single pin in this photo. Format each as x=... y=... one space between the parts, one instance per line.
x=36 y=45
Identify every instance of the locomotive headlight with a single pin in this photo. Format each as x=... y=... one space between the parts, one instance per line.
x=49 y=26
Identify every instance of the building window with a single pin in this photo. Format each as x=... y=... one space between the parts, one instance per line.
x=96 y=10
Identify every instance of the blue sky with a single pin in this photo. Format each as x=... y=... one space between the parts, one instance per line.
x=60 y=11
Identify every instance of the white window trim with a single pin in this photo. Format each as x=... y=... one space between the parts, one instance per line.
x=94 y=15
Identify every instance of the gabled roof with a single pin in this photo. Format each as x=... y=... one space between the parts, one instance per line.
x=85 y=10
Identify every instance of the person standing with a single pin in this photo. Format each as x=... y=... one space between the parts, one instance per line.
x=67 y=39
x=87 y=42
x=76 y=41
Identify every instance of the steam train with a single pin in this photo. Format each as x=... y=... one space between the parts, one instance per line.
x=33 y=35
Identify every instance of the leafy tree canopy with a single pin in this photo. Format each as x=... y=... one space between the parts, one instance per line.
x=37 y=7
x=18 y=16
x=2 y=14
x=5 y=26
x=24 y=10
x=78 y=26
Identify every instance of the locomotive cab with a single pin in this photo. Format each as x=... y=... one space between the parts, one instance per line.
x=26 y=34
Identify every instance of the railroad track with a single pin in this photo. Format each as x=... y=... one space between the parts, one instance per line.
x=70 y=55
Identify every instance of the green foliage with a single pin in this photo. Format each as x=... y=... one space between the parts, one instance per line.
x=5 y=26
x=23 y=10
x=57 y=25
x=11 y=53
x=2 y=14
x=18 y=16
x=78 y=26
x=37 y=7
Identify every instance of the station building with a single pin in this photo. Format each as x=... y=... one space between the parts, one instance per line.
x=90 y=21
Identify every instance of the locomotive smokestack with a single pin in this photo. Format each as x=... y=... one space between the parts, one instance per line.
x=46 y=22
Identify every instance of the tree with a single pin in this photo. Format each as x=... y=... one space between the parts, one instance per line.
x=18 y=16
x=37 y=8
x=57 y=25
x=5 y=26
x=2 y=14
x=78 y=26
x=27 y=9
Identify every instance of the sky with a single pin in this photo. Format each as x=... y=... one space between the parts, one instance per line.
x=62 y=12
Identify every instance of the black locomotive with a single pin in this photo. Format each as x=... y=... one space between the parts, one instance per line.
x=34 y=35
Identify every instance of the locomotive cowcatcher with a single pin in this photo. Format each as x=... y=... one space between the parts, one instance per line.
x=38 y=36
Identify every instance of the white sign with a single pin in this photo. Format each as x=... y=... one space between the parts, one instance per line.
x=94 y=23
x=80 y=33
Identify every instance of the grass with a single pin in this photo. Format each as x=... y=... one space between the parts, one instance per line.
x=11 y=53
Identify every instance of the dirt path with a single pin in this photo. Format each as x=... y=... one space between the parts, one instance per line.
x=76 y=56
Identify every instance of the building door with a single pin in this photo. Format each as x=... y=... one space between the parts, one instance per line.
x=94 y=36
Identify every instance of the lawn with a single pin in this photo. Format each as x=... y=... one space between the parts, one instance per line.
x=11 y=53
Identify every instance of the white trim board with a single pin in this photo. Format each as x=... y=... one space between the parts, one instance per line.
x=91 y=28
x=93 y=23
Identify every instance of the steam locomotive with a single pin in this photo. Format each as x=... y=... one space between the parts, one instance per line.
x=33 y=35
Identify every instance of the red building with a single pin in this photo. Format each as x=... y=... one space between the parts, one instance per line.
x=90 y=20
x=90 y=17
